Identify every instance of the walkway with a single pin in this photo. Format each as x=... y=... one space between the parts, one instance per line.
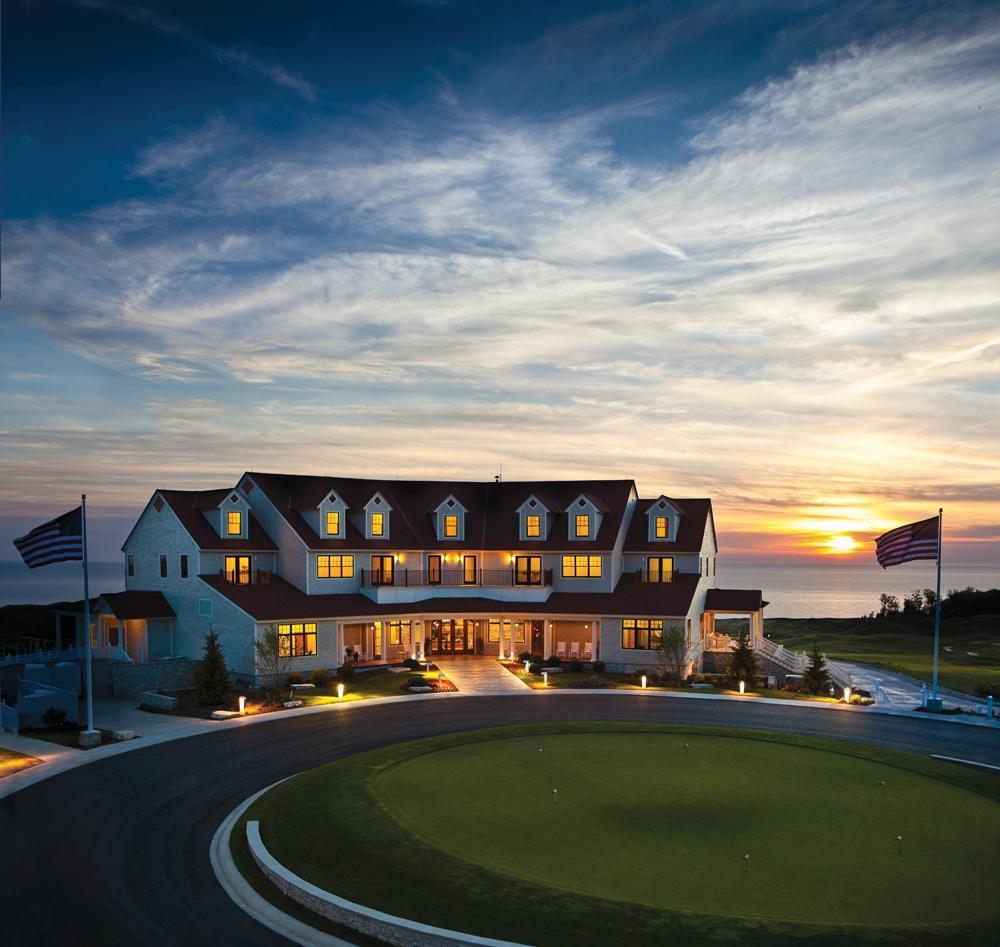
x=478 y=675
x=901 y=690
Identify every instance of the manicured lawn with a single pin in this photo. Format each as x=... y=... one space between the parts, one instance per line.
x=13 y=762
x=367 y=684
x=647 y=838
x=904 y=645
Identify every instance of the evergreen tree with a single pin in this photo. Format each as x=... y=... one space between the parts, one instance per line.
x=743 y=663
x=211 y=676
x=816 y=680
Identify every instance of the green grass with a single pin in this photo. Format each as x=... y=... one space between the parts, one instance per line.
x=646 y=840
x=363 y=686
x=904 y=645
x=13 y=762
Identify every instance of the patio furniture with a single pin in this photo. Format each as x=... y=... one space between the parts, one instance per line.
x=560 y=649
x=585 y=654
x=574 y=650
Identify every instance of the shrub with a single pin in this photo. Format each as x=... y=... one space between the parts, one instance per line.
x=54 y=717
x=320 y=677
x=211 y=677
x=576 y=665
x=416 y=680
x=294 y=678
x=411 y=663
x=553 y=662
x=524 y=656
x=599 y=667
x=535 y=667
x=345 y=672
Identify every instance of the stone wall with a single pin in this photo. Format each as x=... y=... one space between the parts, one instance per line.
x=717 y=662
x=377 y=924
x=130 y=680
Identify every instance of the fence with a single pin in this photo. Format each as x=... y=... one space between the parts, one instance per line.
x=74 y=653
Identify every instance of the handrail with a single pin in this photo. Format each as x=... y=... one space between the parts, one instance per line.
x=454 y=578
x=110 y=652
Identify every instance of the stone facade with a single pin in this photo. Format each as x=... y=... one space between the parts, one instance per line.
x=130 y=680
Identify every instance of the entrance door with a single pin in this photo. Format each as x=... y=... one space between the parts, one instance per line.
x=537 y=637
x=381 y=570
x=453 y=636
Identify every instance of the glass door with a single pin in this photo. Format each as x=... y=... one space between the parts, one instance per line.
x=381 y=570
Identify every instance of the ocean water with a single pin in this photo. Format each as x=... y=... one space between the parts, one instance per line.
x=794 y=590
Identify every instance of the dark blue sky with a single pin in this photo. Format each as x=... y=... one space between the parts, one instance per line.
x=739 y=249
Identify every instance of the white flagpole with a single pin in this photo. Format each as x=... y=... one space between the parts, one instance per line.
x=937 y=609
x=86 y=620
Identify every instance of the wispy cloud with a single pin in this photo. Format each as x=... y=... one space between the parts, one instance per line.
x=812 y=298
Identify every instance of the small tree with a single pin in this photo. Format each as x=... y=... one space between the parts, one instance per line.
x=913 y=604
x=816 y=680
x=211 y=677
x=889 y=605
x=743 y=663
x=671 y=658
x=274 y=658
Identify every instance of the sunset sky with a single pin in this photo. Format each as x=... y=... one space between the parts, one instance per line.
x=741 y=250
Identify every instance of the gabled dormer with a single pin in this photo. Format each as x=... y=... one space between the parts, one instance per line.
x=449 y=519
x=664 y=516
x=333 y=517
x=234 y=517
x=583 y=519
x=377 y=514
x=534 y=519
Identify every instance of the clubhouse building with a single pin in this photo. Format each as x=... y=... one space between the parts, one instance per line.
x=381 y=570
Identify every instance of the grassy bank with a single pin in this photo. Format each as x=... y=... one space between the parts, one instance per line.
x=13 y=762
x=902 y=644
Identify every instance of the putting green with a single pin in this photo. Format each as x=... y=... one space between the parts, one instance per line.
x=656 y=818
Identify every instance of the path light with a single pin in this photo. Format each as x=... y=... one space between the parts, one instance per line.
x=882 y=784
x=545 y=675
x=847 y=695
x=440 y=675
x=643 y=681
x=243 y=705
x=743 y=687
x=555 y=795
x=340 y=690
x=899 y=844
x=527 y=664
x=746 y=863
x=685 y=749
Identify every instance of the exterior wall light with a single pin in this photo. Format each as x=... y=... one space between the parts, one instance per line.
x=643 y=681
x=743 y=687
x=340 y=691
x=243 y=705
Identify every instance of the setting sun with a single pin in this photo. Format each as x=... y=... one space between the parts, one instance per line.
x=842 y=544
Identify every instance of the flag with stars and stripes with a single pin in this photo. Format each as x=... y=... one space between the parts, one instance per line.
x=59 y=540
x=913 y=541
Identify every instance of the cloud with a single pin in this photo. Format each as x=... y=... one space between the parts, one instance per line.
x=240 y=60
x=821 y=307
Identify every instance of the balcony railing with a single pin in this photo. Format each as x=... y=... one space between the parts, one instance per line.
x=247 y=576
x=454 y=578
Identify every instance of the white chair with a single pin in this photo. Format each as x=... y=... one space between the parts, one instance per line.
x=585 y=654
x=574 y=650
x=560 y=649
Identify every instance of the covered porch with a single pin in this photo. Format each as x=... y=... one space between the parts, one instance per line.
x=732 y=603
x=140 y=623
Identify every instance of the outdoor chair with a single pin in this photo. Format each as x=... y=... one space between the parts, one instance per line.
x=574 y=650
x=585 y=654
x=561 y=649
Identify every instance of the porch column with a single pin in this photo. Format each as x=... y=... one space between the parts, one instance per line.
x=339 y=642
x=547 y=640
x=121 y=636
x=595 y=638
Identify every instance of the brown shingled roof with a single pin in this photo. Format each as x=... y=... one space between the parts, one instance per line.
x=279 y=600
x=191 y=507
x=734 y=600
x=690 y=530
x=137 y=604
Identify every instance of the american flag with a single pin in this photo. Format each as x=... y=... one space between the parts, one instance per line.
x=913 y=541
x=58 y=540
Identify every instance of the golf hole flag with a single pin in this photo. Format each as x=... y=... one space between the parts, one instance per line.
x=59 y=540
x=913 y=541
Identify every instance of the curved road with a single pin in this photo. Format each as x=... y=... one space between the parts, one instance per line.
x=116 y=851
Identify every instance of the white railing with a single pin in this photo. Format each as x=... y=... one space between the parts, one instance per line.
x=110 y=652
x=838 y=673
x=8 y=718
x=795 y=661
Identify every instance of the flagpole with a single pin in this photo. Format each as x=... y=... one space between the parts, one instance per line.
x=937 y=609
x=86 y=619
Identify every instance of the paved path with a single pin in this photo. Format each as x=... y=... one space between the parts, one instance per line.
x=901 y=690
x=477 y=675
x=135 y=828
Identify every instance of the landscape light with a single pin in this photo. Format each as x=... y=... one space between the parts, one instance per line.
x=847 y=695
x=243 y=705
x=743 y=687
x=545 y=675
x=643 y=681
x=340 y=690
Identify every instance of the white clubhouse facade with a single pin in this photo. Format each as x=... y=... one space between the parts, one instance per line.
x=381 y=570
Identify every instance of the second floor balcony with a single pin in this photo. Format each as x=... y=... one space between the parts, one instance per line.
x=455 y=578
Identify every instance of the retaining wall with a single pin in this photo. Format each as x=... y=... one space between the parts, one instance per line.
x=130 y=680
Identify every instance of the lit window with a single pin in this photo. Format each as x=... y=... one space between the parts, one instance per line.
x=238 y=570
x=642 y=634
x=528 y=570
x=469 y=564
x=297 y=640
x=582 y=525
x=662 y=528
x=234 y=523
x=533 y=525
x=582 y=567
x=451 y=526
x=378 y=524
x=333 y=523
x=660 y=569
x=335 y=567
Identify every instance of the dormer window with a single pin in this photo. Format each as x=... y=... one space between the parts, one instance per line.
x=534 y=518
x=234 y=523
x=533 y=525
x=377 y=526
x=449 y=519
x=333 y=522
x=661 y=527
x=582 y=526
x=451 y=525
x=332 y=514
x=583 y=519
x=376 y=518
x=664 y=515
